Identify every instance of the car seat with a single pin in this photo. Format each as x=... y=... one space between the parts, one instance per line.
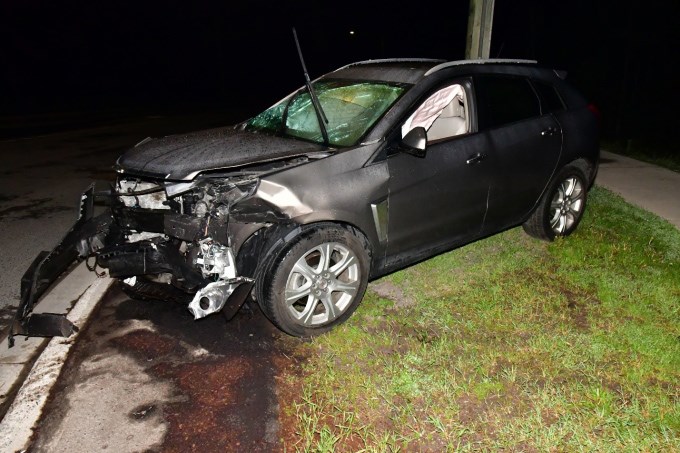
x=450 y=122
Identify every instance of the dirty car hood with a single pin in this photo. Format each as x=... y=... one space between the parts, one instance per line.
x=181 y=157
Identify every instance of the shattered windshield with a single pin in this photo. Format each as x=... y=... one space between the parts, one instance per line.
x=351 y=108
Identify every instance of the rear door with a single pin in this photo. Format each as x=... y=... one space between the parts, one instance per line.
x=524 y=144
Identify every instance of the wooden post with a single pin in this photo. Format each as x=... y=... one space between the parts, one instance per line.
x=480 y=22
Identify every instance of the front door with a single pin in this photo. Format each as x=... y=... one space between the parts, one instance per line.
x=436 y=201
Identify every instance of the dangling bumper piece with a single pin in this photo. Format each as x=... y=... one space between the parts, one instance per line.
x=86 y=236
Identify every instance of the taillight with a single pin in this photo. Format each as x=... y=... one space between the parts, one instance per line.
x=593 y=108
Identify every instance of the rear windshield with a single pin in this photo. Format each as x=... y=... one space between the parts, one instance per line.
x=351 y=108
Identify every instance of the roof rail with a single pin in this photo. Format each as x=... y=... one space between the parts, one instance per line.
x=480 y=61
x=393 y=60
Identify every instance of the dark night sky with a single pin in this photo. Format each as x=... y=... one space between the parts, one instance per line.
x=164 y=55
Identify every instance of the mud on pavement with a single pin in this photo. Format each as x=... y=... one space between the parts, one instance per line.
x=145 y=376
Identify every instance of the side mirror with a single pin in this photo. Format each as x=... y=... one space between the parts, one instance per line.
x=415 y=142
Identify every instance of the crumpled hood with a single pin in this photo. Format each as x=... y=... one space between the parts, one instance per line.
x=181 y=157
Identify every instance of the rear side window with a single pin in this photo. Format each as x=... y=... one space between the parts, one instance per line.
x=503 y=100
x=550 y=99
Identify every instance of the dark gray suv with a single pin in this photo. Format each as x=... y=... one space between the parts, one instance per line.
x=379 y=165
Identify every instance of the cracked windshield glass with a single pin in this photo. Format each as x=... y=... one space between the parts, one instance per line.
x=351 y=108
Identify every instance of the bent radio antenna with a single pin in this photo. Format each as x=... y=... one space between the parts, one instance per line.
x=320 y=115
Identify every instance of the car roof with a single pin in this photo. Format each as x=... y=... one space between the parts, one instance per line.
x=400 y=70
x=409 y=70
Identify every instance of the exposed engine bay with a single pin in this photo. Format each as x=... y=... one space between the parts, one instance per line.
x=181 y=240
x=169 y=240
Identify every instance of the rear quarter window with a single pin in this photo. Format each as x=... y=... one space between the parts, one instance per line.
x=503 y=100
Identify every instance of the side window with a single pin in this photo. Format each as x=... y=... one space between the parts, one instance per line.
x=443 y=114
x=550 y=99
x=503 y=100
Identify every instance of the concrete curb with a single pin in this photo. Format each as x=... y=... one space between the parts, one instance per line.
x=16 y=428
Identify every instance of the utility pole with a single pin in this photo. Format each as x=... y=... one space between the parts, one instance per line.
x=479 y=29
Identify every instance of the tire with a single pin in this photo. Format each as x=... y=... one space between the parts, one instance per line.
x=315 y=281
x=561 y=208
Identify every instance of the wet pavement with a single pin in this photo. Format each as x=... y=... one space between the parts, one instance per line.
x=144 y=376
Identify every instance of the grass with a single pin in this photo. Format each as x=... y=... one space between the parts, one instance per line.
x=512 y=344
x=663 y=155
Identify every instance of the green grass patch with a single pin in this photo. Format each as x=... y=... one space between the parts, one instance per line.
x=511 y=343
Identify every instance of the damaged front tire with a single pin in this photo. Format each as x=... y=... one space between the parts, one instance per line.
x=316 y=281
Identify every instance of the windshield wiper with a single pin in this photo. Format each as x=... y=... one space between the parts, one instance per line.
x=320 y=115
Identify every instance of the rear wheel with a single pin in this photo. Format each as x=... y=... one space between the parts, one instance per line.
x=562 y=206
x=316 y=281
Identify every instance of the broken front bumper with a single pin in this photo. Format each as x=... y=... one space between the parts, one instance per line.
x=86 y=236
x=101 y=238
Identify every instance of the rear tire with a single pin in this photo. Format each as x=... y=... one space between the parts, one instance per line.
x=316 y=281
x=561 y=207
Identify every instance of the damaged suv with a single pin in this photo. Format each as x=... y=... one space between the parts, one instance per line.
x=371 y=168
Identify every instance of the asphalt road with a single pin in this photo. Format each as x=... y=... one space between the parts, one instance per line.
x=144 y=376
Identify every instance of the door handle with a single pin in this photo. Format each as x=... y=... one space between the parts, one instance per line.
x=476 y=158
x=549 y=131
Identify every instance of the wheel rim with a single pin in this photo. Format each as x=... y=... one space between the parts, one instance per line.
x=322 y=284
x=567 y=205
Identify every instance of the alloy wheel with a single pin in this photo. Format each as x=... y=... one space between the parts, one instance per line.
x=322 y=284
x=567 y=205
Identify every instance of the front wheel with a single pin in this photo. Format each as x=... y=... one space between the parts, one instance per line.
x=562 y=206
x=316 y=282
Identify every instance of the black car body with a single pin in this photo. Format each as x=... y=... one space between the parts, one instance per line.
x=417 y=157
